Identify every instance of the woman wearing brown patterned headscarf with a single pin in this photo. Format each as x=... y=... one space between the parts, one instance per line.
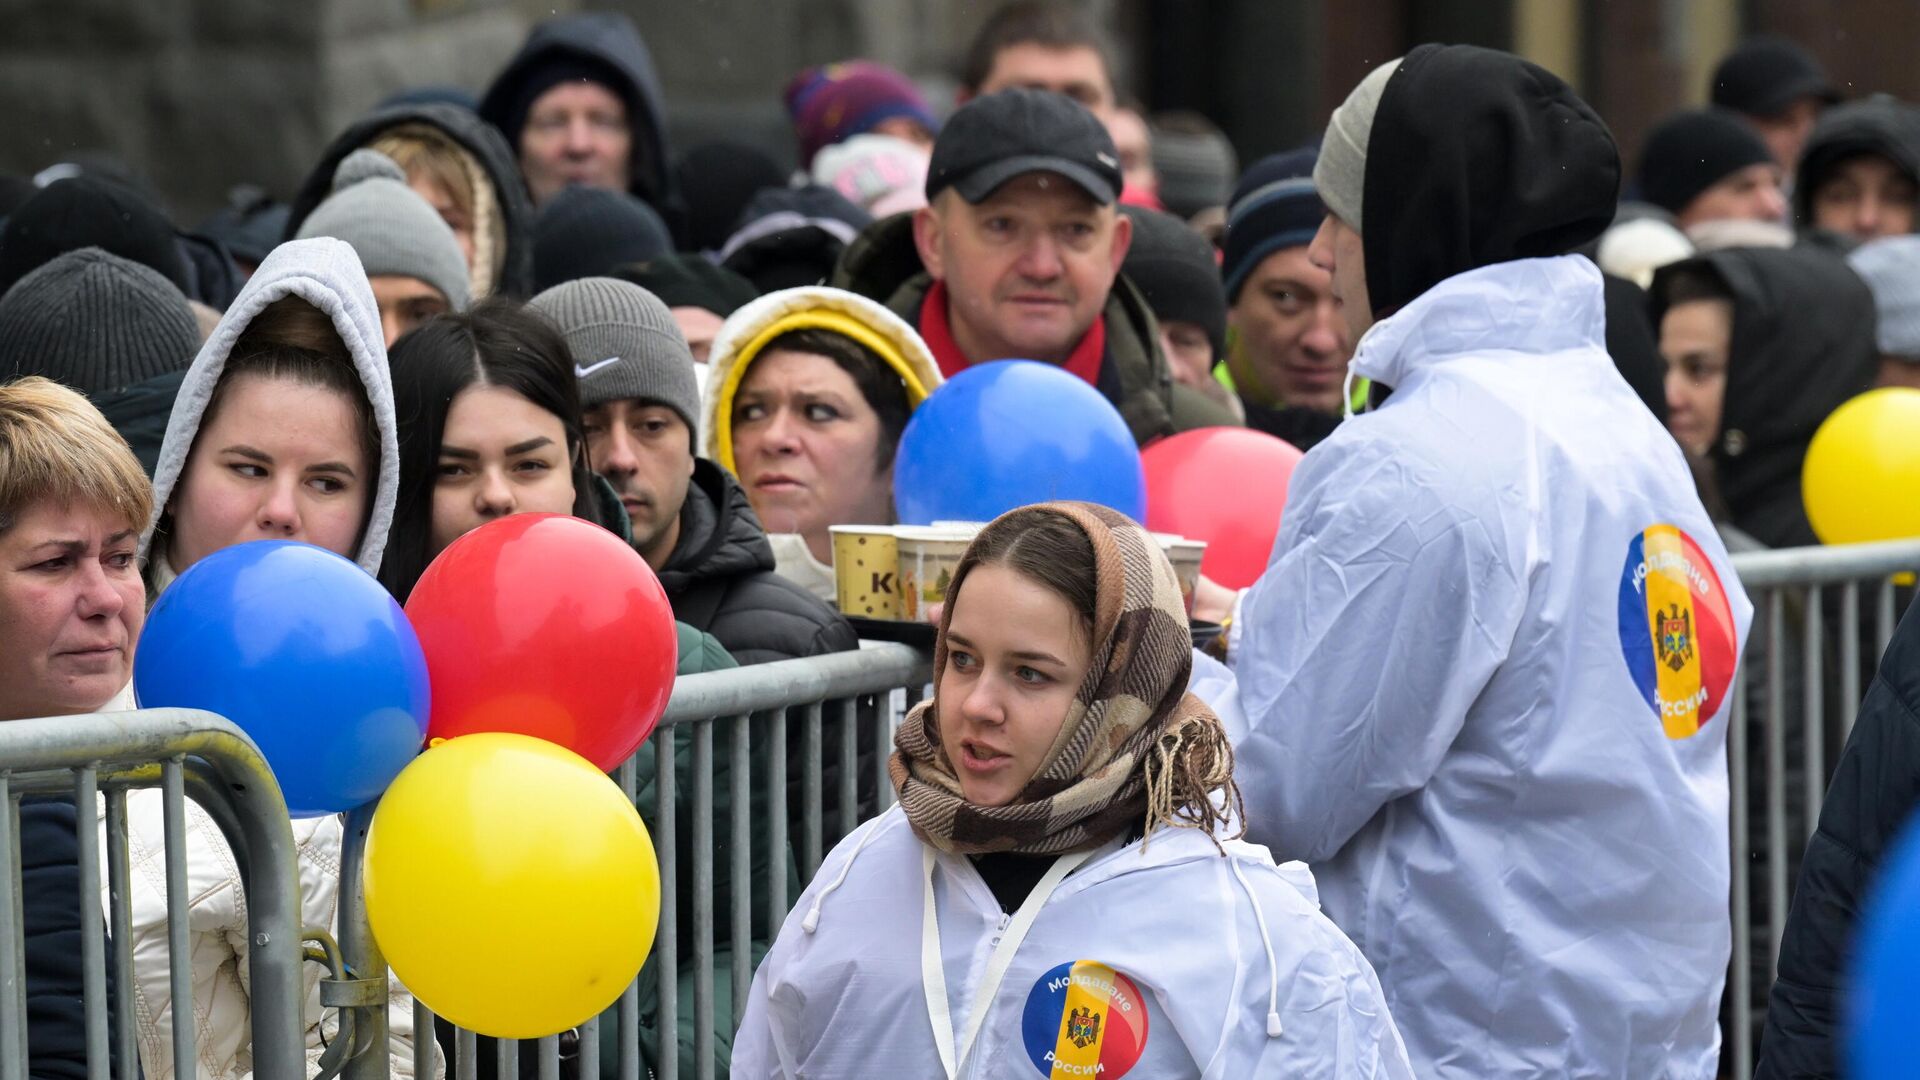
x=1061 y=889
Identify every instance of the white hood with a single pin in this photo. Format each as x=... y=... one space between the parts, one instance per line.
x=327 y=274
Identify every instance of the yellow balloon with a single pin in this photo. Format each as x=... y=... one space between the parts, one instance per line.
x=1861 y=481
x=511 y=885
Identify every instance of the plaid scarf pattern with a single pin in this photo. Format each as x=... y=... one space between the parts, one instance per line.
x=1134 y=741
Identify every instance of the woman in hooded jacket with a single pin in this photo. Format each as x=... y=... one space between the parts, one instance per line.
x=1060 y=786
x=808 y=392
x=463 y=168
x=283 y=430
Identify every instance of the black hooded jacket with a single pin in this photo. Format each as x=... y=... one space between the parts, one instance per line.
x=50 y=902
x=609 y=40
x=720 y=579
x=474 y=135
x=1876 y=786
x=1876 y=125
x=1803 y=343
x=1476 y=158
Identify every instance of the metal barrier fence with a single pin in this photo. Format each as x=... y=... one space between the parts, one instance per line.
x=796 y=754
x=96 y=759
x=1822 y=617
x=836 y=715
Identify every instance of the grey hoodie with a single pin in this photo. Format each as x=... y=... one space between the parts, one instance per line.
x=327 y=274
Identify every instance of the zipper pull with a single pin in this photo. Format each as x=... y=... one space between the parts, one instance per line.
x=1005 y=921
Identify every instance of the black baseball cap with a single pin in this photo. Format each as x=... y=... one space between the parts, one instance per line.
x=996 y=137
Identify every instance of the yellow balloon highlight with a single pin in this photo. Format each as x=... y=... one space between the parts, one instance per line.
x=1861 y=481
x=511 y=885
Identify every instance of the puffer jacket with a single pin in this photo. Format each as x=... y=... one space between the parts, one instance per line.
x=720 y=579
x=882 y=264
x=217 y=926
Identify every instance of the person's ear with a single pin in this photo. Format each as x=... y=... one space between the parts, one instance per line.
x=1122 y=239
x=927 y=239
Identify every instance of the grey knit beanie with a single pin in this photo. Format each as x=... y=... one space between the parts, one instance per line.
x=1341 y=173
x=625 y=344
x=1891 y=268
x=96 y=322
x=391 y=228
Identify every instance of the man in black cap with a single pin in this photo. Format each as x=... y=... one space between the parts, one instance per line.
x=1704 y=165
x=1019 y=252
x=1779 y=88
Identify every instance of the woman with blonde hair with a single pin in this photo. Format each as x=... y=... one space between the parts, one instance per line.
x=464 y=169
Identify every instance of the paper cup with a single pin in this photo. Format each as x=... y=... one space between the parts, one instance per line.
x=928 y=558
x=1185 y=555
x=866 y=571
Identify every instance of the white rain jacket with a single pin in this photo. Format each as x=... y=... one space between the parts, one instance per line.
x=1223 y=963
x=1507 y=770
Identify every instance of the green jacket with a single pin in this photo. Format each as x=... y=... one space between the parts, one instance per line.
x=883 y=264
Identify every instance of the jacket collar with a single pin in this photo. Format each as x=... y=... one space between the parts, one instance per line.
x=1526 y=306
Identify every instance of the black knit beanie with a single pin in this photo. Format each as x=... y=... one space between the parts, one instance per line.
x=585 y=232
x=1174 y=267
x=718 y=180
x=88 y=211
x=1767 y=74
x=1691 y=151
x=559 y=68
x=96 y=322
x=691 y=281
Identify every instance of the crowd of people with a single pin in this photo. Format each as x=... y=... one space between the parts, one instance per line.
x=1456 y=802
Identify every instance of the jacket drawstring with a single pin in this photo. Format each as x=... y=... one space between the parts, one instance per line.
x=812 y=921
x=1266 y=942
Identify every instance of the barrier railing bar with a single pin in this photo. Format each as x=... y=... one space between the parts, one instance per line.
x=847 y=712
x=506 y=1059
x=174 y=810
x=666 y=941
x=120 y=904
x=874 y=667
x=741 y=886
x=1813 y=702
x=466 y=1055
x=13 y=986
x=1849 y=658
x=1825 y=565
x=423 y=1041
x=778 y=849
x=811 y=795
x=702 y=902
x=1883 y=623
x=1776 y=777
x=362 y=954
x=1742 y=974
x=93 y=938
x=549 y=1053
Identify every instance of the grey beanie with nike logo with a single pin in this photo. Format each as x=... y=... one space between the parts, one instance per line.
x=625 y=345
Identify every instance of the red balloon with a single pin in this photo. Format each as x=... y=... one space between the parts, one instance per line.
x=550 y=626
x=1223 y=485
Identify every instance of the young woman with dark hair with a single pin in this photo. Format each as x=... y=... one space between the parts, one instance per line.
x=489 y=416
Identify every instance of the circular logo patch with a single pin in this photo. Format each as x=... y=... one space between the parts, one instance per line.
x=1084 y=1019
x=1676 y=629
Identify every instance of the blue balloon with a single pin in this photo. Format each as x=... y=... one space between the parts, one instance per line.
x=1012 y=433
x=1883 y=999
x=306 y=653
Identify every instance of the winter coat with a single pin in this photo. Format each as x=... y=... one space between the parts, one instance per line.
x=139 y=413
x=483 y=144
x=56 y=976
x=720 y=579
x=217 y=935
x=882 y=264
x=1512 y=789
x=1241 y=977
x=1875 y=788
x=1803 y=343
x=1880 y=125
x=327 y=274
x=611 y=40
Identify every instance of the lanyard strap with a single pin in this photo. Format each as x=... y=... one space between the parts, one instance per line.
x=933 y=976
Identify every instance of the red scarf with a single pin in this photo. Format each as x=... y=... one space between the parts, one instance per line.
x=1084 y=361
